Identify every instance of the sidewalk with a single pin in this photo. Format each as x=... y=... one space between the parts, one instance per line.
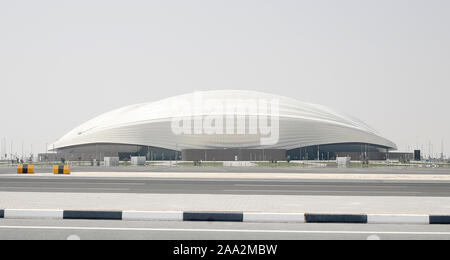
x=239 y=203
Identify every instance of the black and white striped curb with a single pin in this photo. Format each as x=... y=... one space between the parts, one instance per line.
x=225 y=216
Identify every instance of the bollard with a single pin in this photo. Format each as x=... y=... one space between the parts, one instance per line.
x=61 y=169
x=25 y=169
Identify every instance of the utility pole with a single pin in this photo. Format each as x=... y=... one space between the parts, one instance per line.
x=432 y=150
x=300 y=152
x=429 y=149
x=4 y=152
x=318 y=152
x=46 y=153
x=366 y=151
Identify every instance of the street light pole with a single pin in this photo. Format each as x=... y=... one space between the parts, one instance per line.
x=318 y=152
x=4 y=152
x=46 y=153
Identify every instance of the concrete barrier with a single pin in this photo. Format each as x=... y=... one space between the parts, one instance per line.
x=238 y=164
x=25 y=169
x=61 y=169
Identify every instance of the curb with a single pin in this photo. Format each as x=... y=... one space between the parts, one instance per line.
x=441 y=220
x=398 y=219
x=213 y=216
x=93 y=215
x=335 y=218
x=225 y=216
x=32 y=214
x=275 y=217
x=152 y=215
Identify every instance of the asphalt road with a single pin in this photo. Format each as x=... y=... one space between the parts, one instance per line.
x=318 y=170
x=104 y=230
x=218 y=186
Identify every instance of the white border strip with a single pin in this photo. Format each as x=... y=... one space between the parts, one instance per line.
x=153 y=215
x=275 y=217
x=33 y=214
x=397 y=219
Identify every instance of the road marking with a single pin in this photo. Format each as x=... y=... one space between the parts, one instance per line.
x=373 y=237
x=73 y=237
x=326 y=191
x=318 y=185
x=228 y=230
x=70 y=182
x=49 y=188
x=226 y=179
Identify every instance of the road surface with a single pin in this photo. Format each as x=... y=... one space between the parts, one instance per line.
x=217 y=186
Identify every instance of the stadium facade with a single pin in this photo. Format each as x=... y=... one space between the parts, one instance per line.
x=224 y=125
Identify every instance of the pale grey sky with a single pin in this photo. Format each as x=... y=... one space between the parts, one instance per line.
x=386 y=62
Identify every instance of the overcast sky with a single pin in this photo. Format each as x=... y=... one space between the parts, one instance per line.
x=386 y=62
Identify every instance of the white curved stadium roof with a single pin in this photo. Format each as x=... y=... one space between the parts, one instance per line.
x=151 y=124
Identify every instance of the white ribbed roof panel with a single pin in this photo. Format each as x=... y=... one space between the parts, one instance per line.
x=300 y=124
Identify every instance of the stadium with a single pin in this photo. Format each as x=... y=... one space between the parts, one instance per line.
x=225 y=125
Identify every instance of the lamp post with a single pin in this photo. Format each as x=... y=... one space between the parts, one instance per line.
x=46 y=153
x=318 y=152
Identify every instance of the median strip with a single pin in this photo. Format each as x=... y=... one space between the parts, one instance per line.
x=252 y=217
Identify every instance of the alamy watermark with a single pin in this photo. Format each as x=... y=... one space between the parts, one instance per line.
x=243 y=117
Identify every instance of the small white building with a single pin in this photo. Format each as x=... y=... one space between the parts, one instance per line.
x=138 y=161
x=343 y=162
x=111 y=161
